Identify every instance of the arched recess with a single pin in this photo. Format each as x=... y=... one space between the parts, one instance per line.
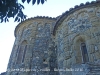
x=80 y=47
x=21 y=52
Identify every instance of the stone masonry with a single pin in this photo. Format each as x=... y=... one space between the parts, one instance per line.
x=66 y=45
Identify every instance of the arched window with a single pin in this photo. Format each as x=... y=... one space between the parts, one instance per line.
x=21 y=52
x=80 y=47
x=84 y=52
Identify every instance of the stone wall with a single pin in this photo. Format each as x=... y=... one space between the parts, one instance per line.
x=58 y=46
x=82 y=26
x=31 y=48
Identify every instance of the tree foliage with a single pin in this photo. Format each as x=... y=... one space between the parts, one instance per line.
x=11 y=8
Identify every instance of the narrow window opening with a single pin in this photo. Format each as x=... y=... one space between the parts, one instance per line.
x=24 y=53
x=44 y=60
x=21 y=52
x=84 y=52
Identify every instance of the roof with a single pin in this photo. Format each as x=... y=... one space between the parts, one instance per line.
x=33 y=18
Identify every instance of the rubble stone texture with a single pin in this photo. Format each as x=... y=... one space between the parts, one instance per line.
x=66 y=45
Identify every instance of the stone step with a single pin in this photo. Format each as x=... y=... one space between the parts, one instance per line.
x=93 y=74
x=94 y=70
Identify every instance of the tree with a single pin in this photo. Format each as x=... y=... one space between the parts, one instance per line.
x=11 y=8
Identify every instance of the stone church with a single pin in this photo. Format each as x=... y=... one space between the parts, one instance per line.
x=66 y=45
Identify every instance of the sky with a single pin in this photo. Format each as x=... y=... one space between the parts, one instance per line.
x=51 y=8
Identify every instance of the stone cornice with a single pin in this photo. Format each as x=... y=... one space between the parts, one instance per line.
x=33 y=18
x=72 y=10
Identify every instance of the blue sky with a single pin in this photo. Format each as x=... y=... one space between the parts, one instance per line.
x=52 y=8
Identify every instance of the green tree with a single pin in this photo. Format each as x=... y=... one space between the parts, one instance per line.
x=11 y=8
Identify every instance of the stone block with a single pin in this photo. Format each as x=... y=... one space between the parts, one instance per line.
x=78 y=60
x=91 y=59
x=97 y=55
x=68 y=63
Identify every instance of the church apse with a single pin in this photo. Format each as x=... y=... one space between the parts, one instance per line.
x=33 y=39
x=74 y=39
